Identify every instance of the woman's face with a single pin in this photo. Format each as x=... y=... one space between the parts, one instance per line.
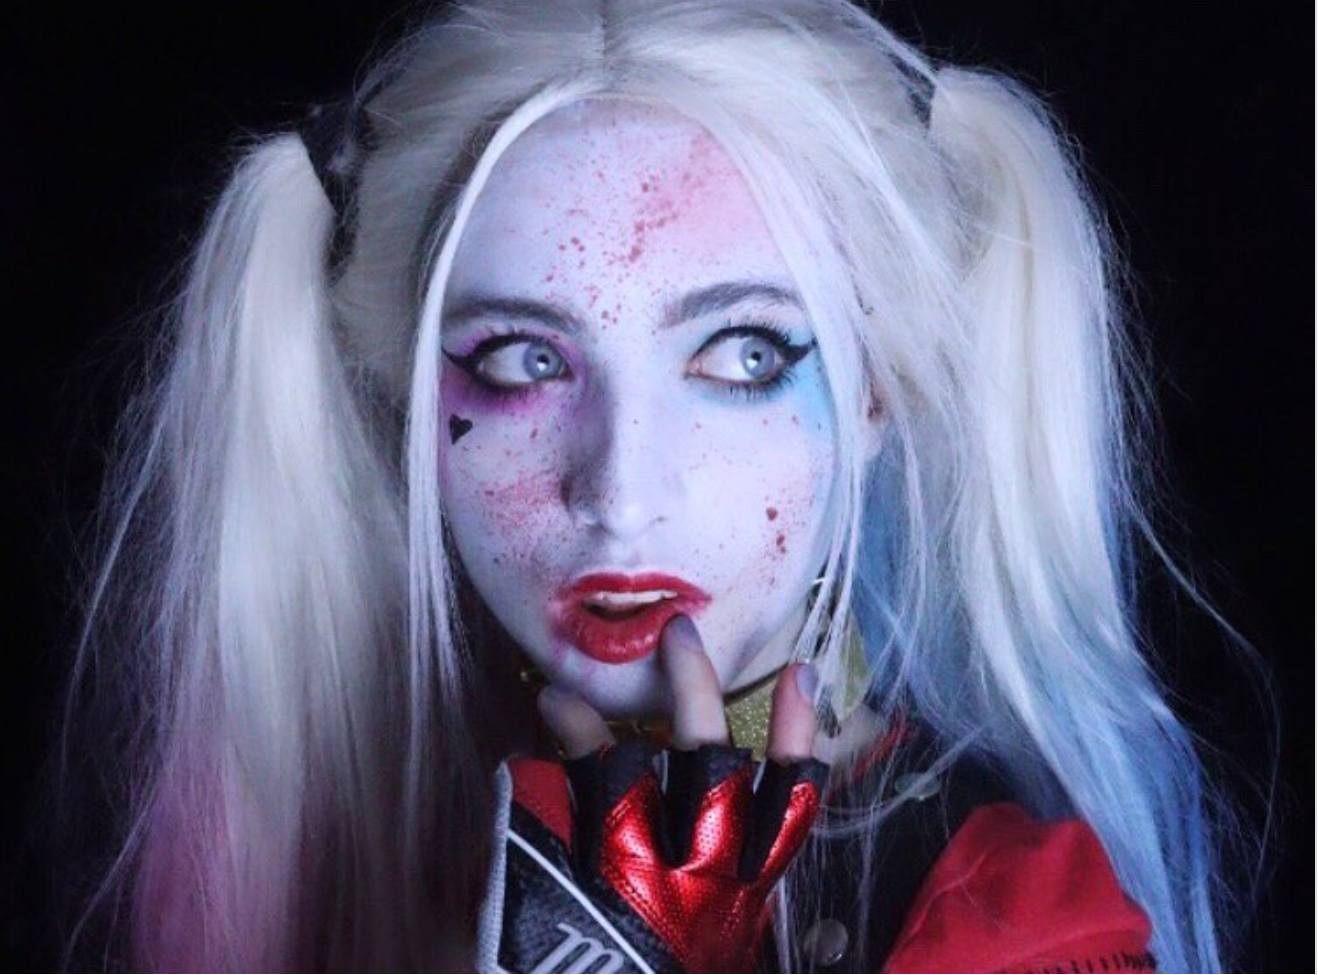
x=635 y=417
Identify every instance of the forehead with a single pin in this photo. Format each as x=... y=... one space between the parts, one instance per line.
x=615 y=197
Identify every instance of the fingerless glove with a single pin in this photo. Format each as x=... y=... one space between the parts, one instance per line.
x=601 y=867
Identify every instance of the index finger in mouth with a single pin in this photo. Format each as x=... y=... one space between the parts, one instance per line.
x=698 y=717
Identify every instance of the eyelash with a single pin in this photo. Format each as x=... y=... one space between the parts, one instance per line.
x=792 y=353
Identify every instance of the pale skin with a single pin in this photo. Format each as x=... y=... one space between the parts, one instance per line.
x=649 y=442
x=698 y=717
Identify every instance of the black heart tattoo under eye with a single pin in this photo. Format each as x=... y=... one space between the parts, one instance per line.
x=457 y=426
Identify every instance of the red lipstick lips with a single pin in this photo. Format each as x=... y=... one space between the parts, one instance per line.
x=617 y=618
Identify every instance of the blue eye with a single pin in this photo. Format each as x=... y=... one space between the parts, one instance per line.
x=758 y=350
x=512 y=363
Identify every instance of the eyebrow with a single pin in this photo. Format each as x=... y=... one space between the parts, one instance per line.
x=694 y=304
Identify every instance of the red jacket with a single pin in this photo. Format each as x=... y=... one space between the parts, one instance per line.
x=965 y=880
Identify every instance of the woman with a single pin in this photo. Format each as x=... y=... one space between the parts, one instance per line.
x=676 y=355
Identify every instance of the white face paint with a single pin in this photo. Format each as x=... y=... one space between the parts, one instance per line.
x=592 y=425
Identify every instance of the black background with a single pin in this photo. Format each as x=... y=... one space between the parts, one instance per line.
x=1198 y=132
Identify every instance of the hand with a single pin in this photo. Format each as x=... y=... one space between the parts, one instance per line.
x=614 y=873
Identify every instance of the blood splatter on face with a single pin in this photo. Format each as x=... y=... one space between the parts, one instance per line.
x=633 y=387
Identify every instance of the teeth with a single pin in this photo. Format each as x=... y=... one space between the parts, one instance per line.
x=614 y=600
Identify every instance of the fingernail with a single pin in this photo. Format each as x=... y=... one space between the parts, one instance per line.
x=807 y=681
x=681 y=631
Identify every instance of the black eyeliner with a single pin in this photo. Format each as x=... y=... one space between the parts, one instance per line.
x=792 y=353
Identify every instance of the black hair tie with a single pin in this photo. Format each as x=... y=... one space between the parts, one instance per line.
x=328 y=131
x=338 y=138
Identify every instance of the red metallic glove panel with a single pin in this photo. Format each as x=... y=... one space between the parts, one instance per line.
x=709 y=910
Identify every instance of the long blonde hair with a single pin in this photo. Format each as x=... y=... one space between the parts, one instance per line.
x=276 y=597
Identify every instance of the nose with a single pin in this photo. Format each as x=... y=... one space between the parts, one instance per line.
x=623 y=477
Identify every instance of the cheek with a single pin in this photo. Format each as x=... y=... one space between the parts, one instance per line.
x=507 y=518
x=792 y=514
x=764 y=489
x=498 y=472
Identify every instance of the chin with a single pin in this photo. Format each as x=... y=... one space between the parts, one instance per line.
x=621 y=692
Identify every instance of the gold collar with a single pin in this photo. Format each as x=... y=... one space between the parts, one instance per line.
x=747 y=712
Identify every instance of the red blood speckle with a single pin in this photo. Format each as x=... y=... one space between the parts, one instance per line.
x=771 y=512
x=534 y=432
x=781 y=541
